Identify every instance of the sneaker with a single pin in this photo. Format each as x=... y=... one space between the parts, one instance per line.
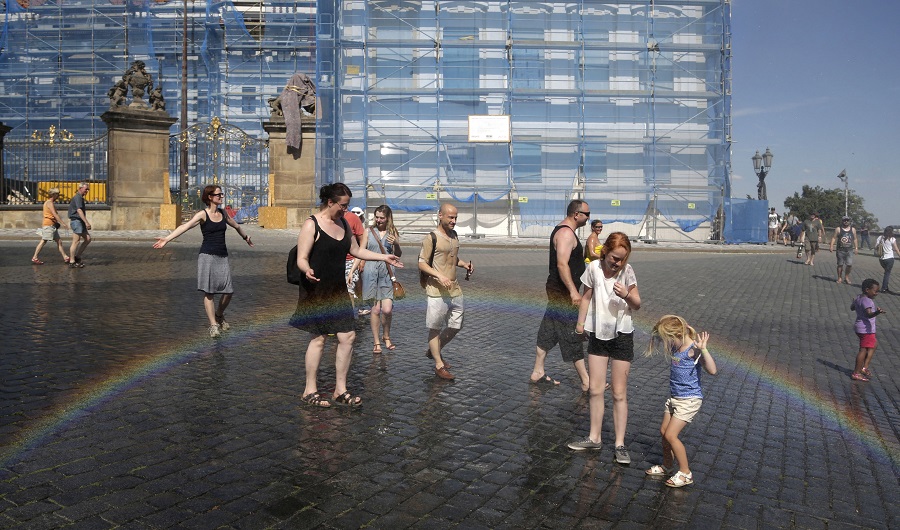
x=859 y=377
x=214 y=331
x=622 y=456
x=223 y=325
x=585 y=445
x=78 y=263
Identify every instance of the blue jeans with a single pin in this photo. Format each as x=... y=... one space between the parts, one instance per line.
x=887 y=265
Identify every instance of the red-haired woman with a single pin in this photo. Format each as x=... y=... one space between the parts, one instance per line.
x=610 y=295
x=213 y=271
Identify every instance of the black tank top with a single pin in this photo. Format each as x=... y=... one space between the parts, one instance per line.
x=576 y=264
x=214 y=236
x=327 y=258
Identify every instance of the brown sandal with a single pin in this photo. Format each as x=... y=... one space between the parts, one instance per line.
x=389 y=344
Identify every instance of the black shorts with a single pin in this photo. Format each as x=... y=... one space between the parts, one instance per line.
x=620 y=348
x=558 y=327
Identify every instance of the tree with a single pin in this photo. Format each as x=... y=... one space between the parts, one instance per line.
x=829 y=204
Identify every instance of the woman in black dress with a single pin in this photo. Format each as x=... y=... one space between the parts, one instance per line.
x=324 y=307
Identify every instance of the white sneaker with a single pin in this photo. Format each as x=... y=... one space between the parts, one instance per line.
x=214 y=331
x=223 y=325
x=622 y=456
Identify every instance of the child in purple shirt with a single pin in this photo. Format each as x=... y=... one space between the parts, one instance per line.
x=866 y=311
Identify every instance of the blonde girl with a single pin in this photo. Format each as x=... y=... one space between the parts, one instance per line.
x=377 y=283
x=687 y=350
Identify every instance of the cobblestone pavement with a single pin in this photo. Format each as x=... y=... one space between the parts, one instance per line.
x=116 y=409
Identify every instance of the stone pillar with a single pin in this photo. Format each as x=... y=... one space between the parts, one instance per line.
x=292 y=177
x=138 y=167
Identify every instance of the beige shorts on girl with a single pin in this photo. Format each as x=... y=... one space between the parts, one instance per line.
x=683 y=408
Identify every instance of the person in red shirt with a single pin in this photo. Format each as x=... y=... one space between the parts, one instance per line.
x=230 y=211
x=353 y=265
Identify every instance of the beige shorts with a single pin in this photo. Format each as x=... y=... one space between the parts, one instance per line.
x=49 y=233
x=683 y=408
x=444 y=311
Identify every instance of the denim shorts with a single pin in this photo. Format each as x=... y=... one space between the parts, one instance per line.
x=78 y=226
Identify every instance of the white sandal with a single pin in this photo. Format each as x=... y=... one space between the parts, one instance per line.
x=657 y=471
x=680 y=479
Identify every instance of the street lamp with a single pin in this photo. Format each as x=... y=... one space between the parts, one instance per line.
x=761 y=166
x=843 y=176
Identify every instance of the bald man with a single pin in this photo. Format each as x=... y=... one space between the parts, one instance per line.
x=444 y=315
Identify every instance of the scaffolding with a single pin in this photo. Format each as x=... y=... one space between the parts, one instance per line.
x=59 y=59
x=623 y=104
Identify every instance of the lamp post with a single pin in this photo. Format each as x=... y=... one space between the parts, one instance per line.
x=843 y=176
x=761 y=166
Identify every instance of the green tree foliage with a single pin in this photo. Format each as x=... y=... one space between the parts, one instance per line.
x=829 y=204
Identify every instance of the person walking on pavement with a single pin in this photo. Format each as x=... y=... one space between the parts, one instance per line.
x=438 y=261
x=813 y=232
x=378 y=286
x=845 y=236
x=324 y=307
x=886 y=249
x=50 y=228
x=81 y=236
x=610 y=296
x=864 y=234
x=563 y=296
x=864 y=326
x=686 y=349
x=213 y=270
x=353 y=266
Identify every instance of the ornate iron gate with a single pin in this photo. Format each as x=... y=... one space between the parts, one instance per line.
x=222 y=155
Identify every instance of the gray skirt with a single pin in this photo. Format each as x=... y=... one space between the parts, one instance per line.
x=213 y=274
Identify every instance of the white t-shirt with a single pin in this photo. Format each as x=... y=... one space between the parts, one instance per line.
x=608 y=314
x=773 y=220
x=887 y=245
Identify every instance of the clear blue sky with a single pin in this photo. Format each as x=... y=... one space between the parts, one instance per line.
x=818 y=82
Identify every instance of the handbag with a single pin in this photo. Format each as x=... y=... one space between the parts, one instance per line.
x=879 y=248
x=294 y=275
x=399 y=290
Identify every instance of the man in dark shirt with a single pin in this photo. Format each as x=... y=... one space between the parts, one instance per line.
x=80 y=225
x=563 y=297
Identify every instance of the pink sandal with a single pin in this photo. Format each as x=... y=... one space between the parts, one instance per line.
x=36 y=261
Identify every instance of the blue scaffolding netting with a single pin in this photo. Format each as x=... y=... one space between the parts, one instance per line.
x=518 y=103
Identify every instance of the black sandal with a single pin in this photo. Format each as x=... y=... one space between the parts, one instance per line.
x=315 y=400
x=347 y=400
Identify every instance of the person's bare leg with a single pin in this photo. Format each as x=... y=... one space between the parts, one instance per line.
x=581 y=368
x=40 y=246
x=597 y=378
x=538 y=372
x=387 y=314
x=375 y=323
x=620 y=370
x=209 y=304
x=342 y=362
x=313 y=358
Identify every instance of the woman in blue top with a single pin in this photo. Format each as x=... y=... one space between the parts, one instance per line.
x=687 y=349
x=213 y=271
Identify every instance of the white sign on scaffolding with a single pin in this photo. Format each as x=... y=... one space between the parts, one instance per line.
x=489 y=128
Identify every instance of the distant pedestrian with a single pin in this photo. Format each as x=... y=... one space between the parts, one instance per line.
x=886 y=247
x=812 y=233
x=864 y=234
x=81 y=236
x=847 y=246
x=563 y=287
x=593 y=245
x=610 y=295
x=352 y=266
x=438 y=260
x=324 y=307
x=773 y=225
x=378 y=285
x=213 y=270
x=51 y=221
x=686 y=349
x=864 y=326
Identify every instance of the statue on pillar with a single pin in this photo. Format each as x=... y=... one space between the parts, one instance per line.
x=157 y=102
x=138 y=79
x=297 y=98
